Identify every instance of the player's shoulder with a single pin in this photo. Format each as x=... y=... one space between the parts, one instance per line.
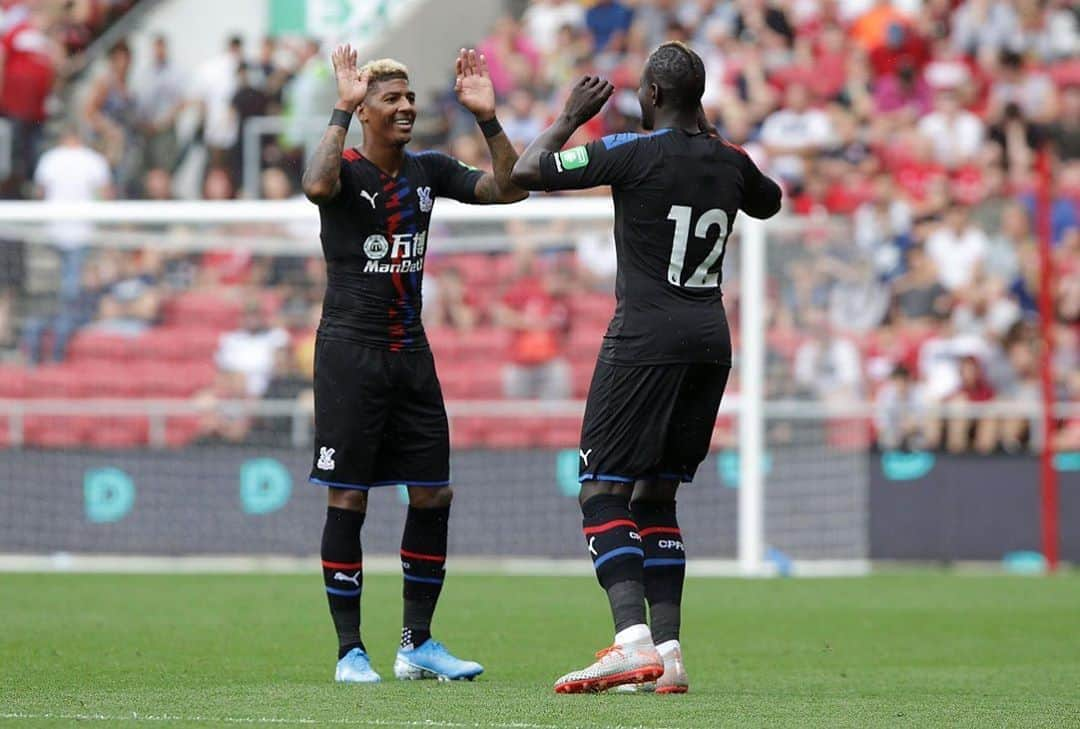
x=630 y=141
x=728 y=148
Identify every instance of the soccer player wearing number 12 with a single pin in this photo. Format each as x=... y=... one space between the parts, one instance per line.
x=666 y=356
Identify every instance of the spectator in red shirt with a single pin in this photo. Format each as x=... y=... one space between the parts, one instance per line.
x=536 y=312
x=28 y=62
x=974 y=388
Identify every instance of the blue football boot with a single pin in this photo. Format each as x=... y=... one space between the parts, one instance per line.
x=432 y=660
x=355 y=667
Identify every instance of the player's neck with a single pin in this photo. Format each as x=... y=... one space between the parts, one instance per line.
x=387 y=157
x=677 y=120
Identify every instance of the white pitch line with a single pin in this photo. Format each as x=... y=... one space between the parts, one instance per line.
x=434 y=724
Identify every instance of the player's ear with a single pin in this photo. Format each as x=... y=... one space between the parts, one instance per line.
x=656 y=94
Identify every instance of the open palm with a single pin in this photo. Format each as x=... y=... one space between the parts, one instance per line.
x=473 y=86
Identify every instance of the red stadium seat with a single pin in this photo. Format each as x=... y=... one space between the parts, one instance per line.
x=455 y=381
x=13 y=382
x=97 y=345
x=486 y=343
x=179 y=343
x=181 y=430
x=514 y=432
x=581 y=373
x=113 y=381
x=54 y=431
x=469 y=431
x=117 y=432
x=558 y=432
x=203 y=309
x=594 y=308
x=55 y=381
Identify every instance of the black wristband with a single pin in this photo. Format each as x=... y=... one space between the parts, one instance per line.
x=490 y=127
x=340 y=118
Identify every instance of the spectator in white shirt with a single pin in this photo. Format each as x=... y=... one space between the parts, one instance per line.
x=250 y=350
x=545 y=18
x=72 y=172
x=957 y=248
x=795 y=131
x=828 y=367
x=956 y=133
x=215 y=88
x=159 y=98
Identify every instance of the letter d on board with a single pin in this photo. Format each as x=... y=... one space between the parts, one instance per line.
x=108 y=493
x=265 y=486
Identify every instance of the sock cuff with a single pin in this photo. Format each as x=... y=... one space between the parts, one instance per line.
x=598 y=506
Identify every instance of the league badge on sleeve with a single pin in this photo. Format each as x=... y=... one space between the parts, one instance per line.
x=571 y=159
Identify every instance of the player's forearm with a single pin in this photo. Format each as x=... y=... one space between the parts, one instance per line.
x=503 y=157
x=322 y=176
x=526 y=172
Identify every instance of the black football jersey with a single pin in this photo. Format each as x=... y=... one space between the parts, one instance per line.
x=374 y=238
x=676 y=197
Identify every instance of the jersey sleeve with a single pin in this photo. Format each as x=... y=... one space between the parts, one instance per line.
x=761 y=196
x=451 y=177
x=614 y=160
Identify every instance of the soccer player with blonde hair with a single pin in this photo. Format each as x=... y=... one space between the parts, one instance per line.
x=379 y=413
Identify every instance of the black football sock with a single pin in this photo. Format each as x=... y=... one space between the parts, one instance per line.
x=665 y=566
x=615 y=547
x=343 y=574
x=423 y=560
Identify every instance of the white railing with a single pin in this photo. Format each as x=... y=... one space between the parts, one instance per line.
x=158 y=410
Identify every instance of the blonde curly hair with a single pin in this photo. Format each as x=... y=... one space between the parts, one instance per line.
x=384 y=69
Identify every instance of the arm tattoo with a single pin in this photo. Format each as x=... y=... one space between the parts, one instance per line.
x=322 y=176
x=497 y=187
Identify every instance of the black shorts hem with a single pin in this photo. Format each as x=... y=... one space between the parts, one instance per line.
x=378 y=484
x=684 y=478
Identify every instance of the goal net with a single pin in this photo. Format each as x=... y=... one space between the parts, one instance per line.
x=155 y=365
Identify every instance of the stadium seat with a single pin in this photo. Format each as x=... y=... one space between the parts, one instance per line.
x=13 y=382
x=455 y=381
x=485 y=343
x=54 y=431
x=512 y=433
x=594 y=308
x=179 y=343
x=117 y=432
x=581 y=375
x=54 y=381
x=181 y=430
x=97 y=345
x=469 y=431
x=204 y=309
x=558 y=432
x=484 y=381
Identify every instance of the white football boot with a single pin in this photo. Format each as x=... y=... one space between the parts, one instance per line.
x=674 y=680
x=625 y=662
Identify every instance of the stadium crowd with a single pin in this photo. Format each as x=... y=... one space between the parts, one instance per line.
x=907 y=134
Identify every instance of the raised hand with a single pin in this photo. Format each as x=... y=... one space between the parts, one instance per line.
x=587 y=97
x=351 y=84
x=473 y=85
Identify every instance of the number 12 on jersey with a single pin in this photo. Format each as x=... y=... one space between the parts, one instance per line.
x=683 y=217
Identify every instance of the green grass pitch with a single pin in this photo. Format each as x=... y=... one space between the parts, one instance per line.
x=905 y=650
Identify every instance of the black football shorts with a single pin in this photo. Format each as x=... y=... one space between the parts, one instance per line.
x=379 y=418
x=652 y=421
